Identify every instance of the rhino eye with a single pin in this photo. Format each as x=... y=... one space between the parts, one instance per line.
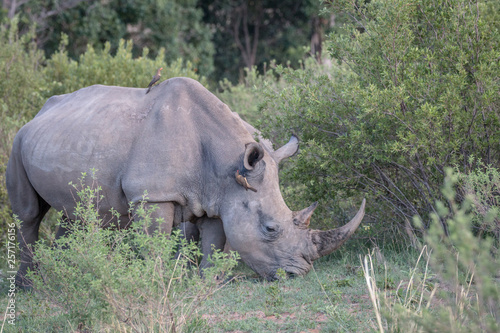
x=270 y=229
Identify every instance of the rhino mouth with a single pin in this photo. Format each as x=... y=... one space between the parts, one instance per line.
x=289 y=274
x=292 y=269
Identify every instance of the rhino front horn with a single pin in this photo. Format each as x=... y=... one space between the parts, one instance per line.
x=328 y=241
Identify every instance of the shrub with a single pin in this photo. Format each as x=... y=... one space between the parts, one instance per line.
x=415 y=90
x=176 y=26
x=121 y=280
x=462 y=293
x=482 y=187
x=102 y=67
x=22 y=91
x=468 y=262
x=22 y=88
x=245 y=97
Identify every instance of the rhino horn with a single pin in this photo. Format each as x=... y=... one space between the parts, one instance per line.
x=328 y=241
x=302 y=218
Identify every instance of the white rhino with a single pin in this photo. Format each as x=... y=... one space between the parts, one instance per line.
x=182 y=145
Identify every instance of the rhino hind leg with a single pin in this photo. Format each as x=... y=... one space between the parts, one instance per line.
x=29 y=207
x=27 y=236
x=63 y=229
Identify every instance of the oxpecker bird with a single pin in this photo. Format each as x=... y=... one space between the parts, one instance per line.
x=155 y=79
x=243 y=182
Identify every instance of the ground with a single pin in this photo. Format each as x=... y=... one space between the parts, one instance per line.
x=333 y=297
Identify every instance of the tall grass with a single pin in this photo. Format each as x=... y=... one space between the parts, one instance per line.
x=394 y=309
x=458 y=288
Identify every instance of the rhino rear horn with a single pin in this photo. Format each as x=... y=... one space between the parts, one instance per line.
x=302 y=218
x=253 y=154
x=328 y=241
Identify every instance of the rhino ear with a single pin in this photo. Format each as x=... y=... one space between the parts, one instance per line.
x=287 y=150
x=253 y=154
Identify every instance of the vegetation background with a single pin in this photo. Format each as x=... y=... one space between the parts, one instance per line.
x=396 y=101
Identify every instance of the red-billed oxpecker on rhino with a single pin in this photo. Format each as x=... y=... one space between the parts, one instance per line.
x=182 y=145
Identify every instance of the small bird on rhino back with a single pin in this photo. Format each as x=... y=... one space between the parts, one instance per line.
x=155 y=79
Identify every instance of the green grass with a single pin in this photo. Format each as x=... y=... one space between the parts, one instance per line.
x=332 y=297
x=313 y=302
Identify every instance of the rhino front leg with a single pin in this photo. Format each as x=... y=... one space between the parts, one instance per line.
x=161 y=214
x=212 y=237
x=189 y=231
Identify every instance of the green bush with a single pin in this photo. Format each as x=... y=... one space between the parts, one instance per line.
x=102 y=67
x=245 y=97
x=22 y=90
x=415 y=90
x=482 y=187
x=120 y=280
x=458 y=291
x=468 y=263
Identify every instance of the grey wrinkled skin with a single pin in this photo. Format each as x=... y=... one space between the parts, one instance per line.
x=214 y=238
x=182 y=145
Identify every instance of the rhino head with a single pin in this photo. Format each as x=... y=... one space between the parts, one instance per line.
x=261 y=227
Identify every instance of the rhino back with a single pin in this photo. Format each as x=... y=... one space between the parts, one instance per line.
x=196 y=142
x=164 y=142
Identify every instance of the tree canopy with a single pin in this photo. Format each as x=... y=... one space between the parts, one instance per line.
x=173 y=25
x=219 y=38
